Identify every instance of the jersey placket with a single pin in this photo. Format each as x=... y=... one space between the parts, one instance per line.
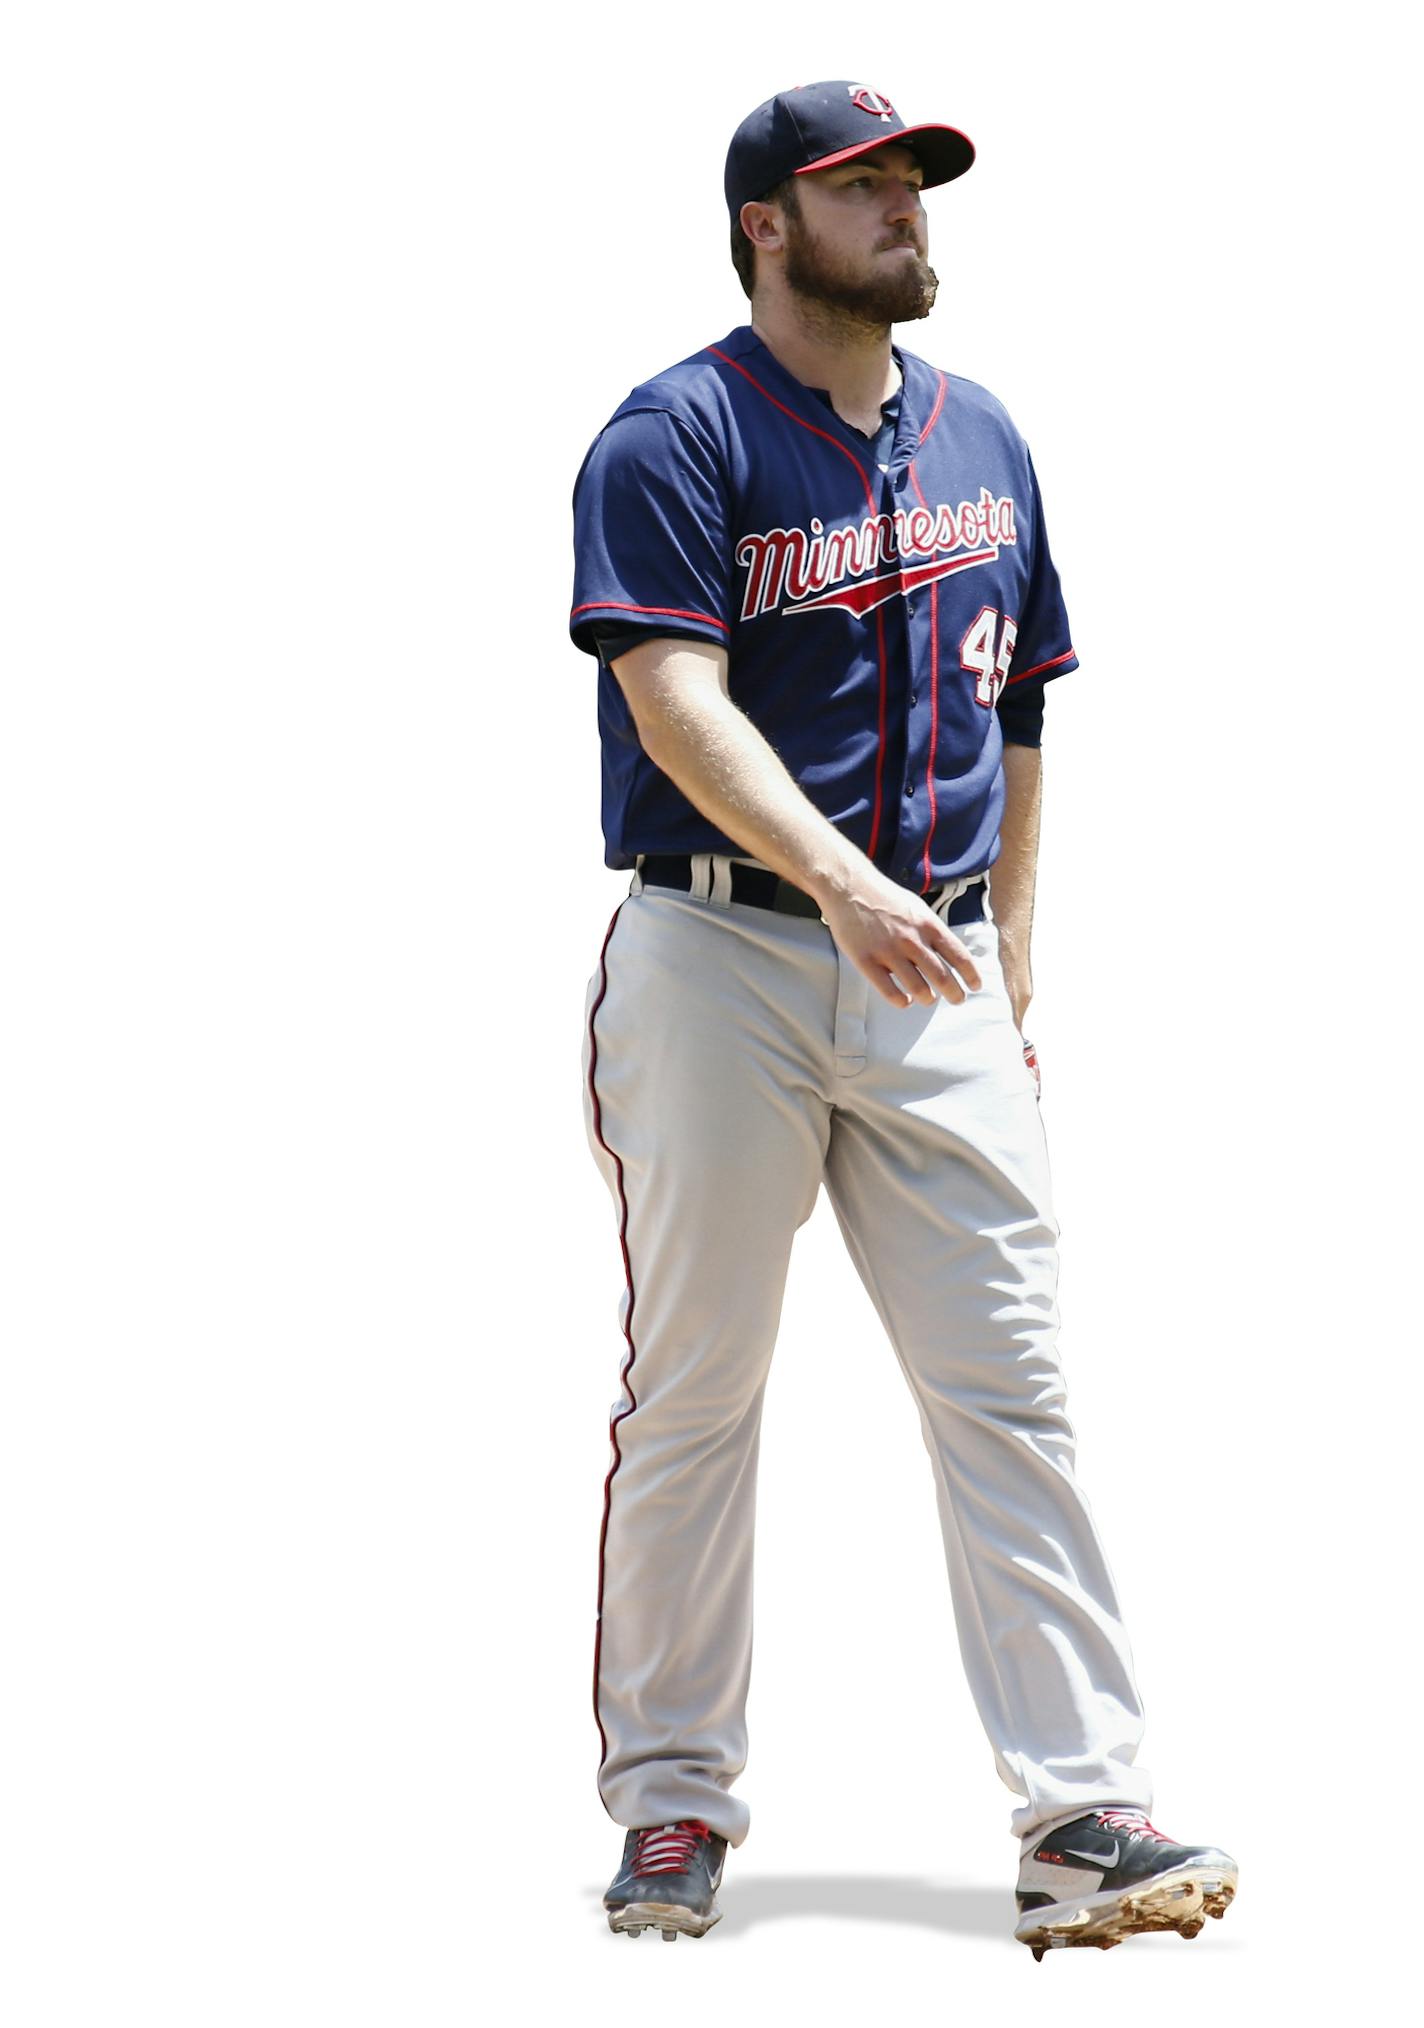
x=915 y=667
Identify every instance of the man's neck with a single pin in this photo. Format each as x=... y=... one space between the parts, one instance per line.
x=853 y=362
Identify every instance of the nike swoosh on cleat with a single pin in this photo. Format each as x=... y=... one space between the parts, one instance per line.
x=1095 y=1858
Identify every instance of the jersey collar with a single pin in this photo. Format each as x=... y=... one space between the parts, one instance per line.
x=915 y=393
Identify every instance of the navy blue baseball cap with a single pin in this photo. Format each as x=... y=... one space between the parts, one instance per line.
x=813 y=126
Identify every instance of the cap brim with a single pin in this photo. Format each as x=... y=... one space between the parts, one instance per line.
x=942 y=152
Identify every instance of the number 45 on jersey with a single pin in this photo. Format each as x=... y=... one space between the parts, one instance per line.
x=986 y=651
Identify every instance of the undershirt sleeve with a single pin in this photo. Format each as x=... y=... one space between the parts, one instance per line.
x=1021 y=713
x=615 y=640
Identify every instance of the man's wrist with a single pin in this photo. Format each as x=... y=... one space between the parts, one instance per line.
x=836 y=868
x=1013 y=944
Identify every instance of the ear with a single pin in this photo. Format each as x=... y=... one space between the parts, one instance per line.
x=762 y=224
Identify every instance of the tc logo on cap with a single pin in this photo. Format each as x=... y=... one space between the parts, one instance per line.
x=871 y=102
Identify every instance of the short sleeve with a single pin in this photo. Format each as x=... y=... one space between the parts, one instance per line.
x=1043 y=646
x=651 y=532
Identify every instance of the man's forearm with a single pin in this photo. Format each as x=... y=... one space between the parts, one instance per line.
x=689 y=728
x=725 y=767
x=1012 y=876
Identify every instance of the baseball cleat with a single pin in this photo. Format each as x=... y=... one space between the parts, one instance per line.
x=668 y=1881
x=1112 y=1874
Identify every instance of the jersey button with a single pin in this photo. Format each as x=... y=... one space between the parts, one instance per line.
x=914 y=697
x=910 y=790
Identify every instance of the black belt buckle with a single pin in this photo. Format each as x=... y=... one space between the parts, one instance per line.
x=787 y=899
x=759 y=887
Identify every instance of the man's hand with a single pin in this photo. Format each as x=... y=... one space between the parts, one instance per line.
x=899 y=943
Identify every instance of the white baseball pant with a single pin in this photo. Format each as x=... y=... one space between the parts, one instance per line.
x=735 y=1059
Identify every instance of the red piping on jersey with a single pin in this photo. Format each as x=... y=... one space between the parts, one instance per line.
x=934 y=661
x=845 y=453
x=879 y=734
x=627 y=1322
x=934 y=418
x=1039 y=667
x=667 y=612
x=736 y=367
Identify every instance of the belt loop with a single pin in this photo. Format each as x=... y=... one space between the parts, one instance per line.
x=701 y=875
x=721 y=880
x=952 y=890
x=636 y=884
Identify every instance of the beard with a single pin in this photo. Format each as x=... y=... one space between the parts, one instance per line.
x=905 y=290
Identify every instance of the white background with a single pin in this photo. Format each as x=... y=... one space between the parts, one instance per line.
x=311 y=1285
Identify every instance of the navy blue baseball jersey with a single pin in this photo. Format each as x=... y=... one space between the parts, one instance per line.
x=874 y=609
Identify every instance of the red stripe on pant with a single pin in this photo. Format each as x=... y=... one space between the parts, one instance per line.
x=628 y=1320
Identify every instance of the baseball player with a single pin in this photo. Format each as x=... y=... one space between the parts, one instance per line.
x=815 y=572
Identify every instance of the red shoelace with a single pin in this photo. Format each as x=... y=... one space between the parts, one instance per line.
x=1130 y=1820
x=668 y=1848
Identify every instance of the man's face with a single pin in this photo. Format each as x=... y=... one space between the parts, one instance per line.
x=858 y=239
